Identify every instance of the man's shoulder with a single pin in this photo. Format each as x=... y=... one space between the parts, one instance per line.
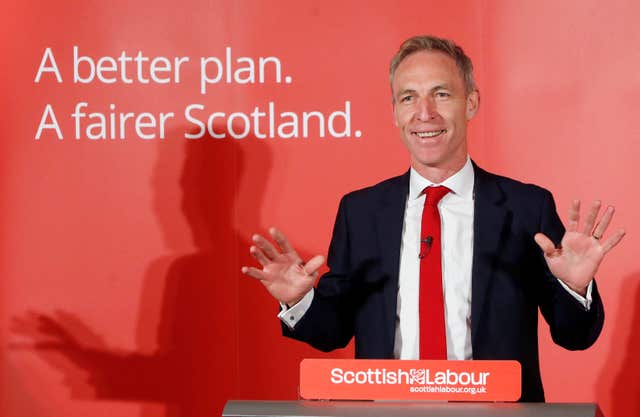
x=509 y=186
x=392 y=187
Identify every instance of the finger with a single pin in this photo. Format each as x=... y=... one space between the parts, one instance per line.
x=282 y=241
x=314 y=264
x=269 y=250
x=602 y=225
x=590 y=220
x=259 y=256
x=574 y=216
x=547 y=246
x=613 y=240
x=52 y=328
x=253 y=272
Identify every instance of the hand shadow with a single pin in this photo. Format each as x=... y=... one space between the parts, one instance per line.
x=66 y=343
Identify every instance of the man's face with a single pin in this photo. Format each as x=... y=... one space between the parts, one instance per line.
x=431 y=109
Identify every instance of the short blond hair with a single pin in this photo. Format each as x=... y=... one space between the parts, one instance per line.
x=433 y=43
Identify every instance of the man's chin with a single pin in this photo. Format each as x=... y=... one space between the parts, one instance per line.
x=438 y=162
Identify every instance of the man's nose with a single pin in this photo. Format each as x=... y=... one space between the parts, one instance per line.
x=426 y=109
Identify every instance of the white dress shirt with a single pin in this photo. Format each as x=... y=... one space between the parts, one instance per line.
x=456 y=214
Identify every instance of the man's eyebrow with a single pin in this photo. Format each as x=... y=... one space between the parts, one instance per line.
x=405 y=91
x=443 y=86
x=440 y=87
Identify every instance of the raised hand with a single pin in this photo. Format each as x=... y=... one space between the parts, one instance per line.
x=283 y=273
x=581 y=250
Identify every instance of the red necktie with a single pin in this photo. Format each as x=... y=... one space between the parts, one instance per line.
x=433 y=339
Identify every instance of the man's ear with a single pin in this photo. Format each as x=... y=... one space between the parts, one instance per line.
x=473 y=103
x=395 y=115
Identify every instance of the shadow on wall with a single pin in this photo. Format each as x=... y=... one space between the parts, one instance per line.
x=186 y=360
x=619 y=382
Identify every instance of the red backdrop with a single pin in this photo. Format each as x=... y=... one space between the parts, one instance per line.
x=121 y=292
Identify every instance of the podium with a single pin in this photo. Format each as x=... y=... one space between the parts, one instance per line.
x=396 y=388
x=405 y=409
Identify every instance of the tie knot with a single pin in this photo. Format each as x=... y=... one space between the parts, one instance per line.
x=434 y=194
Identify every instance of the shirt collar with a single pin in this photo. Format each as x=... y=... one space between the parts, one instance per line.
x=460 y=183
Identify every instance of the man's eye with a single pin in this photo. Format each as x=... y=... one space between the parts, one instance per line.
x=405 y=99
x=442 y=94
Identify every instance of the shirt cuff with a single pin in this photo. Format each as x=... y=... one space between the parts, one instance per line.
x=292 y=315
x=585 y=301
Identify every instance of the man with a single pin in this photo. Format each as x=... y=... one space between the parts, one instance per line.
x=496 y=246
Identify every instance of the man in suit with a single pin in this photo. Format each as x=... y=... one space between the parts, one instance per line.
x=504 y=251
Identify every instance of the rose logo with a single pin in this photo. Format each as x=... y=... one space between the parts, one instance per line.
x=417 y=376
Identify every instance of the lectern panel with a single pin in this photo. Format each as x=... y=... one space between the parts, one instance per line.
x=404 y=409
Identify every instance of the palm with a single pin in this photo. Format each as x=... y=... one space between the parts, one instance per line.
x=577 y=259
x=285 y=278
x=283 y=272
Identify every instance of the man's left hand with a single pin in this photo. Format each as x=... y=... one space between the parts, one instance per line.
x=581 y=250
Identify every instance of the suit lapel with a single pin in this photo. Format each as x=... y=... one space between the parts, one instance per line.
x=490 y=217
x=389 y=221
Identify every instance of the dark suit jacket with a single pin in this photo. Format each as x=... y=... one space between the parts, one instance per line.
x=510 y=279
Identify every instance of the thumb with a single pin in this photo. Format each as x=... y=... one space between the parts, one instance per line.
x=314 y=264
x=547 y=246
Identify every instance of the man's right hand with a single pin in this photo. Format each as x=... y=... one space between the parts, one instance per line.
x=283 y=273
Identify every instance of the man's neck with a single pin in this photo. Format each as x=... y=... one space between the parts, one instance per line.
x=437 y=174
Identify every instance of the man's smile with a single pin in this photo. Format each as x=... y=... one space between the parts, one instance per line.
x=429 y=134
